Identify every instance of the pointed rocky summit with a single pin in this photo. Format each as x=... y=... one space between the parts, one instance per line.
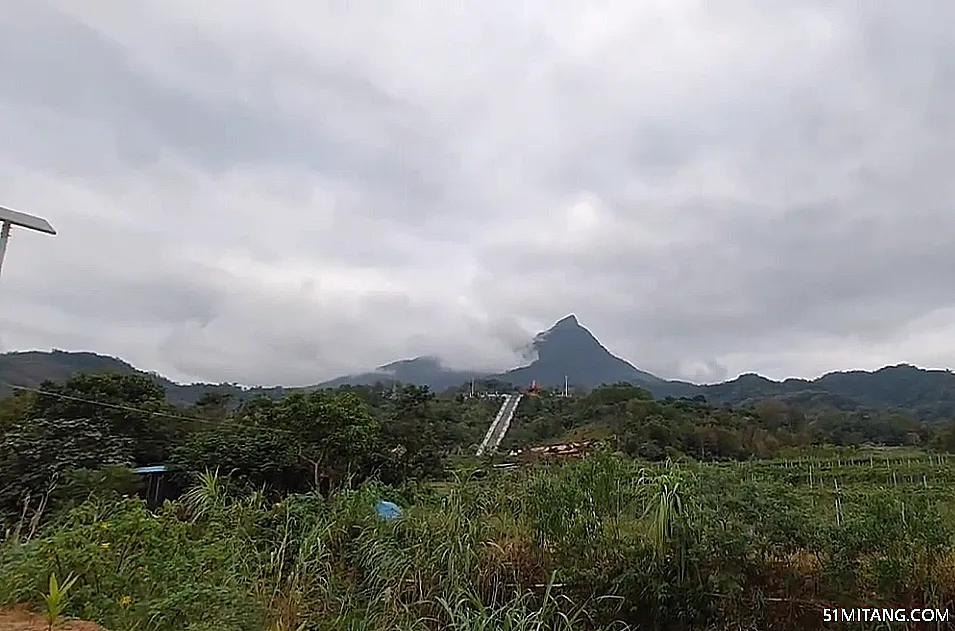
x=568 y=349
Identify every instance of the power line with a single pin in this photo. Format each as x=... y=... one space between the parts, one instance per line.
x=127 y=408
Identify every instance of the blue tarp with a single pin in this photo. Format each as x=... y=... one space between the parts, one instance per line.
x=388 y=510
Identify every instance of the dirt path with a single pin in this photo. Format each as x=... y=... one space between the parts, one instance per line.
x=21 y=620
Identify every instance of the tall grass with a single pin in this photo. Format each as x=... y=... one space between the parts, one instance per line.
x=597 y=544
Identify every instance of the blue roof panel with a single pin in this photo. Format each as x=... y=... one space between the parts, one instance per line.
x=159 y=468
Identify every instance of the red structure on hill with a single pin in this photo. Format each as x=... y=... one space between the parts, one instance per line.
x=532 y=390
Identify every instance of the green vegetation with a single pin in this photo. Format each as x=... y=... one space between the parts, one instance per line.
x=685 y=515
x=56 y=598
x=577 y=545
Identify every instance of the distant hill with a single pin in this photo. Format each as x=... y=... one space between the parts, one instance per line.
x=29 y=369
x=569 y=350
x=926 y=394
x=420 y=371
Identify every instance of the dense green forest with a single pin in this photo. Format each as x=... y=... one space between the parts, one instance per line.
x=685 y=514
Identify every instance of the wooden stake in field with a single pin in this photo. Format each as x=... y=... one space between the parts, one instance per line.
x=835 y=484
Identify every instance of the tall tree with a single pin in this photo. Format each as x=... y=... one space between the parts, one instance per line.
x=418 y=434
x=130 y=406
x=336 y=434
x=37 y=451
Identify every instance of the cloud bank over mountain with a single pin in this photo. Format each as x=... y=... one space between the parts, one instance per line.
x=292 y=194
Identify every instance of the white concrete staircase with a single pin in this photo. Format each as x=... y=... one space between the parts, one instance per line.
x=497 y=430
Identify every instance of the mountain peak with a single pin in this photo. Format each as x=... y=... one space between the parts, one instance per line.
x=566 y=330
x=568 y=349
x=567 y=339
x=566 y=321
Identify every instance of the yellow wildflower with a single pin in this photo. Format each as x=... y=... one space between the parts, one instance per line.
x=104 y=546
x=125 y=601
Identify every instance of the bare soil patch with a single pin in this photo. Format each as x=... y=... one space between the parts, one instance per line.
x=23 y=620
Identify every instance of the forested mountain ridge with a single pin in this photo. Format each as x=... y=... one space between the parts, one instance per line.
x=925 y=394
x=566 y=349
x=29 y=369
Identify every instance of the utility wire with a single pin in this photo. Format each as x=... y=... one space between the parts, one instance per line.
x=127 y=408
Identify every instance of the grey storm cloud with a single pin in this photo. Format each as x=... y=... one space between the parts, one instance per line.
x=286 y=195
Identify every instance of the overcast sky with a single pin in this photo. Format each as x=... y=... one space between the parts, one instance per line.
x=285 y=192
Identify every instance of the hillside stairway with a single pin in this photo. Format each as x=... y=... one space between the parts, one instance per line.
x=500 y=424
